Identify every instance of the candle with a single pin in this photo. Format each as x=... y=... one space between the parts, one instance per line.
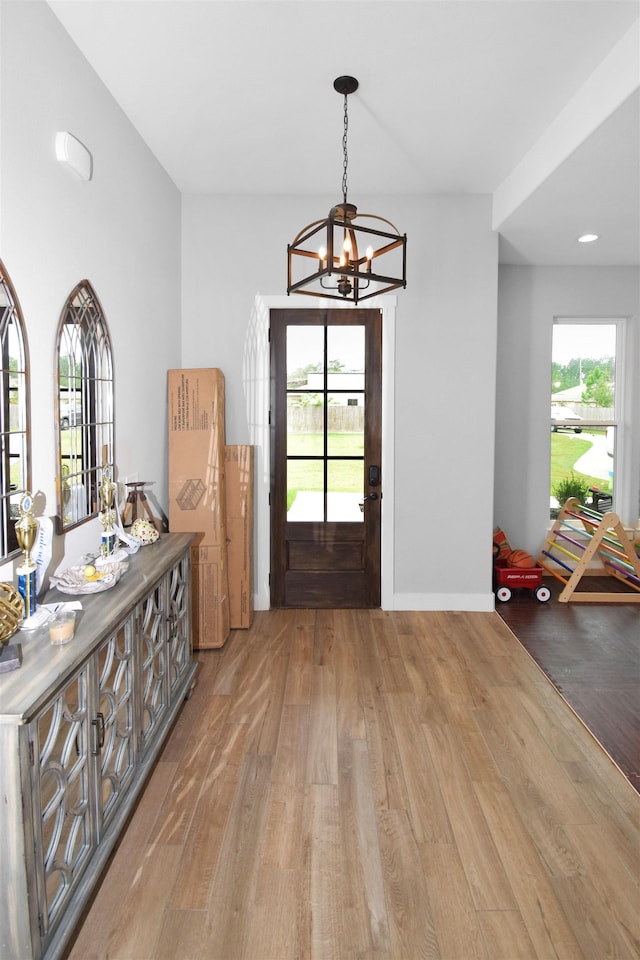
x=62 y=627
x=367 y=266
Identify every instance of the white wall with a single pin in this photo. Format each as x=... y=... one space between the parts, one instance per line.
x=529 y=300
x=444 y=375
x=121 y=231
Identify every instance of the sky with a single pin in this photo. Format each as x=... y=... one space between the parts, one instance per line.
x=345 y=343
x=583 y=341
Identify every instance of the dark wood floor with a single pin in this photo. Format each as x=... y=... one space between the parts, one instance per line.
x=591 y=652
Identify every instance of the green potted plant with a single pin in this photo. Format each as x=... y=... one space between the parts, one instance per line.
x=571 y=486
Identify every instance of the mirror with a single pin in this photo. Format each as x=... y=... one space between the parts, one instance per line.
x=15 y=475
x=84 y=405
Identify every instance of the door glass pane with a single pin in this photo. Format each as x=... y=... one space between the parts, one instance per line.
x=583 y=413
x=305 y=425
x=305 y=490
x=345 y=480
x=345 y=424
x=305 y=355
x=345 y=354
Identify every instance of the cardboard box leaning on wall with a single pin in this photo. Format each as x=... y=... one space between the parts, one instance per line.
x=197 y=500
x=196 y=452
x=210 y=596
x=239 y=467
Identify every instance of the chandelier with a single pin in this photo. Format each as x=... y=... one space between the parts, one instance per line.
x=352 y=256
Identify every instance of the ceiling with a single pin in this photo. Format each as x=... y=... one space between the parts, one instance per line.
x=455 y=96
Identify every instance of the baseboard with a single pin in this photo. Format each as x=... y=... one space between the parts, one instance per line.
x=470 y=602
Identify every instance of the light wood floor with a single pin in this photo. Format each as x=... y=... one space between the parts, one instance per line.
x=359 y=785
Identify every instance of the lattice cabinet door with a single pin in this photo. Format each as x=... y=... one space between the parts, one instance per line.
x=152 y=634
x=115 y=728
x=63 y=815
x=179 y=622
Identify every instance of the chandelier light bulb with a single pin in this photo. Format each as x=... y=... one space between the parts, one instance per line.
x=369 y=256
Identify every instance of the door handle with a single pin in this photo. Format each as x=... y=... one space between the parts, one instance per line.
x=98 y=723
x=371 y=496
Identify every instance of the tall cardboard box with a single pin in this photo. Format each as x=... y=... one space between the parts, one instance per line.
x=209 y=595
x=239 y=464
x=197 y=493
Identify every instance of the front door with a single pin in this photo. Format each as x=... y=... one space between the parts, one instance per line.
x=326 y=482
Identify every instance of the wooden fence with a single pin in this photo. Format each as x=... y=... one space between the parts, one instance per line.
x=587 y=412
x=340 y=419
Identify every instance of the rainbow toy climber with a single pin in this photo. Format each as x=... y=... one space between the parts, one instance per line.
x=568 y=550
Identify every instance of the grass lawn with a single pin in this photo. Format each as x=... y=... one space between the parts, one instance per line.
x=566 y=450
x=345 y=476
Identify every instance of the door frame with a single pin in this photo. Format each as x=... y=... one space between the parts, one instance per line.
x=256 y=388
x=326 y=562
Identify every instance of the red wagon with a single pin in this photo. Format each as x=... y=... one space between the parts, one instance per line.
x=510 y=578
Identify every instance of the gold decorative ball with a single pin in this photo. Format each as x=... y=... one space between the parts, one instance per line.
x=11 y=611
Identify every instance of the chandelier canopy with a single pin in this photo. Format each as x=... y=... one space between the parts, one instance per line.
x=352 y=256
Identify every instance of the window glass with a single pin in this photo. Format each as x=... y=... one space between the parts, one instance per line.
x=584 y=425
x=14 y=415
x=84 y=398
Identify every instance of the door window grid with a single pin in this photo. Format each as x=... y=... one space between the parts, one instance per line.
x=14 y=414
x=326 y=457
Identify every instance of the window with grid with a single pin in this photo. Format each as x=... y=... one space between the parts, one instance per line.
x=585 y=393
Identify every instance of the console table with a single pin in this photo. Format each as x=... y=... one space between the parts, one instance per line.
x=80 y=728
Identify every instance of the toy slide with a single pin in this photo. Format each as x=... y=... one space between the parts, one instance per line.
x=602 y=538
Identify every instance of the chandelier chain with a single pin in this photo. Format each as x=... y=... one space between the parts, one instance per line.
x=345 y=161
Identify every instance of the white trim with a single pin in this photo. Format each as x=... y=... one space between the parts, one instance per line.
x=256 y=384
x=471 y=602
x=612 y=82
x=623 y=485
x=388 y=306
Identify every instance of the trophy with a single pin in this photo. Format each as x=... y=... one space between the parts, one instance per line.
x=107 y=515
x=26 y=533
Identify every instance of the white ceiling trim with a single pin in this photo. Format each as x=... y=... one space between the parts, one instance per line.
x=615 y=79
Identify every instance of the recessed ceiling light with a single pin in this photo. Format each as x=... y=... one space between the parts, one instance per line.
x=588 y=238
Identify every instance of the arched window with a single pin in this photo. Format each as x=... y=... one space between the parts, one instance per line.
x=84 y=398
x=15 y=476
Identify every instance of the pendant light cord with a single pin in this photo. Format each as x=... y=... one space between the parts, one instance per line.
x=345 y=160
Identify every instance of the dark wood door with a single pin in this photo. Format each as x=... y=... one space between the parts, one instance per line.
x=326 y=481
